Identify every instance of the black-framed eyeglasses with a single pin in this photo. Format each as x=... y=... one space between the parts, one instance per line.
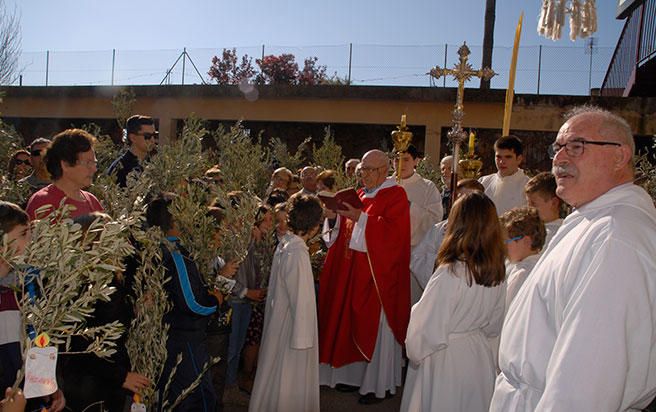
x=36 y=153
x=148 y=136
x=574 y=148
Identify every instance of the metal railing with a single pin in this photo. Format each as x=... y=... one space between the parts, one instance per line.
x=648 y=33
x=540 y=70
x=636 y=45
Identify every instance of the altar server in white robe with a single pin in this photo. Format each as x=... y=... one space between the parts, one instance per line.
x=425 y=205
x=287 y=377
x=540 y=193
x=524 y=237
x=579 y=335
x=424 y=255
x=451 y=364
x=506 y=186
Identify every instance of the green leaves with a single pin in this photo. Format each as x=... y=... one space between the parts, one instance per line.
x=244 y=162
x=329 y=156
x=176 y=161
x=75 y=270
x=123 y=104
x=646 y=174
x=189 y=211
x=281 y=154
x=146 y=341
x=237 y=225
x=426 y=169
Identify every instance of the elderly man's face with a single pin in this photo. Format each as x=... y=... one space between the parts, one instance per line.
x=446 y=170
x=373 y=172
x=309 y=179
x=350 y=169
x=585 y=177
x=280 y=180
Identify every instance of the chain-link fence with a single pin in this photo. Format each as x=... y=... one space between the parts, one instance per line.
x=540 y=69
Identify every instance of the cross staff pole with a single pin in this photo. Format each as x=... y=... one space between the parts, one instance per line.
x=461 y=72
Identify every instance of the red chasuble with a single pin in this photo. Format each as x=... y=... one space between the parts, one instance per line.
x=355 y=285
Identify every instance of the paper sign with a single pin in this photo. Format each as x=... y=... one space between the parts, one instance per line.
x=40 y=366
x=137 y=407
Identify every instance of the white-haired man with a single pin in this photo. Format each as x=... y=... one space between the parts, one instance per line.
x=579 y=335
x=364 y=291
x=349 y=167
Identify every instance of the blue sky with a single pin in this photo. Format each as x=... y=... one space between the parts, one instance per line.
x=138 y=24
x=92 y=25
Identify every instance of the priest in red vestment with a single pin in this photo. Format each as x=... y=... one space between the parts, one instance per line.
x=364 y=291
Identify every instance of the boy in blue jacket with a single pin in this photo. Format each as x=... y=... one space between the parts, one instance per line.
x=189 y=316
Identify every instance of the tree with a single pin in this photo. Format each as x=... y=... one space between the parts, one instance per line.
x=277 y=69
x=312 y=74
x=281 y=69
x=10 y=44
x=488 y=38
x=226 y=70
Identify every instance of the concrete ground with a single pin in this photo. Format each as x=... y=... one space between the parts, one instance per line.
x=334 y=401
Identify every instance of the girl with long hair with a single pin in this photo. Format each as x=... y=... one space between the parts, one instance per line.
x=452 y=366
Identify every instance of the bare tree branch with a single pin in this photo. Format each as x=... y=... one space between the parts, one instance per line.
x=10 y=44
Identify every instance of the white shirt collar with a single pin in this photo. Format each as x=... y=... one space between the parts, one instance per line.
x=389 y=182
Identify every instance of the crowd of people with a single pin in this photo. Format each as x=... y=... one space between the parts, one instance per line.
x=505 y=293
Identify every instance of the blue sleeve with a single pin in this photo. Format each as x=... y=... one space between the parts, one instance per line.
x=189 y=285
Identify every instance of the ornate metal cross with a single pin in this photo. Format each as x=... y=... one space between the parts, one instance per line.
x=461 y=73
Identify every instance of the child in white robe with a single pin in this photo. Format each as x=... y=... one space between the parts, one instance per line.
x=451 y=364
x=287 y=377
x=540 y=193
x=525 y=234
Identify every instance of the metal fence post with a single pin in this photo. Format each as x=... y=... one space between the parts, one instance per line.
x=113 y=64
x=184 y=61
x=47 y=64
x=350 y=62
x=446 y=51
x=539 y=66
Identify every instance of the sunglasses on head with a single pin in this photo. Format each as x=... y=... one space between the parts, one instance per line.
x=25 y=162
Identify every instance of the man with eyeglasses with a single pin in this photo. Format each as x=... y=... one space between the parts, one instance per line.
x=142 y=140
x=579 y=335
x=364 y=289
x=39 y=178
x=71 y=161
x=309 y=181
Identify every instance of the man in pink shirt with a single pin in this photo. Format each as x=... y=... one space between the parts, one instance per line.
x=71 y=162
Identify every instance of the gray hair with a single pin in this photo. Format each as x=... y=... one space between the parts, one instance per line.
x=612 y=125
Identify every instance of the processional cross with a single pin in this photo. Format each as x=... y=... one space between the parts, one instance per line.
x=461 y=73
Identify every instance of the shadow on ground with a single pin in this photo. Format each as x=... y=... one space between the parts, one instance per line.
x=334 y=401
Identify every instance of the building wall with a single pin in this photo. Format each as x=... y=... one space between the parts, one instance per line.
x=426 y=107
